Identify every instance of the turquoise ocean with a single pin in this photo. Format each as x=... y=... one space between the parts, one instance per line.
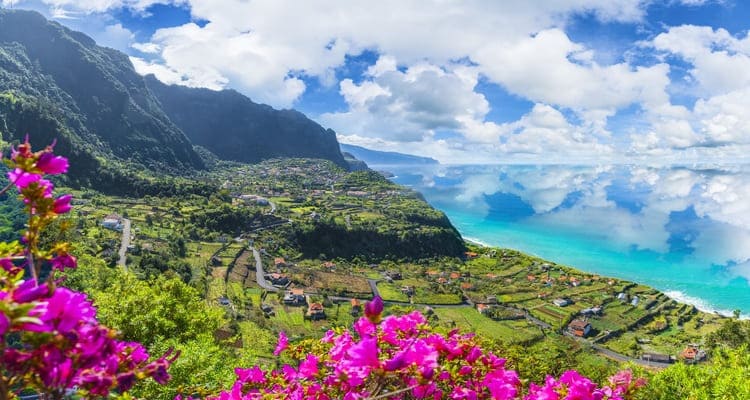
x=684 y=230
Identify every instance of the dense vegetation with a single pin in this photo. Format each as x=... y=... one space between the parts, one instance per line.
x=90 y=94
x=57 y=84
x=250 y=132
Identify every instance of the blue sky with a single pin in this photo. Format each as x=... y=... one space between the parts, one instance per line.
x=462 y=81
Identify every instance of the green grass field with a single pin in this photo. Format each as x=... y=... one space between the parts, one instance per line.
x=509 y=331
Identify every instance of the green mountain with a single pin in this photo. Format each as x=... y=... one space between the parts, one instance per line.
x=248 y=132
x=375 y=157
x=57 y=83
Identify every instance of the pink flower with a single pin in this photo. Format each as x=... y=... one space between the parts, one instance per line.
x=4 y=323
x=8 y=266
x=373 y=309
x=282 y=345
x=309 y=367
x=29 y=291
x=22 y=179
x=250 y=375
x=62 y=204
x=64 y=261
x=364 y=353
x=52 y=164
x=66 y=309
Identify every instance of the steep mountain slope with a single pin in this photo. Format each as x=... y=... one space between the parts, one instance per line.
x=246 y=131
x=375 y=157
x=55 y=82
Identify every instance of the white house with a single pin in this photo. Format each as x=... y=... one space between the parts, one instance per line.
x=112 y=221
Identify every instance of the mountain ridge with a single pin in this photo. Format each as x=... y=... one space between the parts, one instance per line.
x=377 y=157
x=57 y=84
x=244 y=125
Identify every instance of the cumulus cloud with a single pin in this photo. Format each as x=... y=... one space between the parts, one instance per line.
x=412 y=105
x=545 y=130
x=93 y=6
x=721 y=62
x=423 y=88
x=255 y=35
x=717 y=125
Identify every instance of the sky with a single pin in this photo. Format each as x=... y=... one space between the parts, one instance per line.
x=558 y=81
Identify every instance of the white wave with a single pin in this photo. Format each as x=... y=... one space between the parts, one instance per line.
x=477 y=241
x=699 y=303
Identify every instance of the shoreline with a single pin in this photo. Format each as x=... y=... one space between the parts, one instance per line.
x=680 y=297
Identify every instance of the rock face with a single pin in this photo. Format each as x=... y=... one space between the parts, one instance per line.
x=235 y=128
x=56 y=82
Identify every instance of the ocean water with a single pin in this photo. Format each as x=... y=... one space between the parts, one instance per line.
x=684 y=230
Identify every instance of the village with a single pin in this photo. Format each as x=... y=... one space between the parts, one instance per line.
x=263 y=280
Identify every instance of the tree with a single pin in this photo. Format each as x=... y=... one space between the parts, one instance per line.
x=150 y=311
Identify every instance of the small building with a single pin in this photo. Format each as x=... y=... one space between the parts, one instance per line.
x=467 y=286
x=483 y=308
x=112 y=221
x=622 y=296
x=294 y=297
x=471 y=255
x=267 y=310
x=454 y=275
x=657 y=357
x=693 y=354
x=395 y=275
x=580 y=328
x=329 y=265
x=491 y=299
x=442 y=281
x=407 y=290
x=278 y=280
x=316 y=311
x=592 y=311
x=253 y=199
x=279 y=262
x=356 y=308
x=634 y=302
x=561 y=302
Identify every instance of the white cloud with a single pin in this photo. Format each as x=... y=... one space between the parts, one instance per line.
x=721 y=62
x=414 y=104
x=93 y=6
x=116 y=37
x=424 y=85
x=256 y=35
x=724 y=118
x=543 y=68
x=545 y=130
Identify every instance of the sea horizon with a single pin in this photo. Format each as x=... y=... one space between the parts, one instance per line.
x=676 y=228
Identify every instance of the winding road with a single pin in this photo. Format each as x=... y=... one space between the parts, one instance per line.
x=125 y=242
x=260 y=274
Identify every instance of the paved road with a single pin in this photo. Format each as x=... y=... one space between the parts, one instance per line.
x=273 y=207
x=617 y=356
x=124 y=243
x=374 y=287
x=260 y=274
x=536 y=321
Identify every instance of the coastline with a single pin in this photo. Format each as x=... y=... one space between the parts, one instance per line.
x=676 y=295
